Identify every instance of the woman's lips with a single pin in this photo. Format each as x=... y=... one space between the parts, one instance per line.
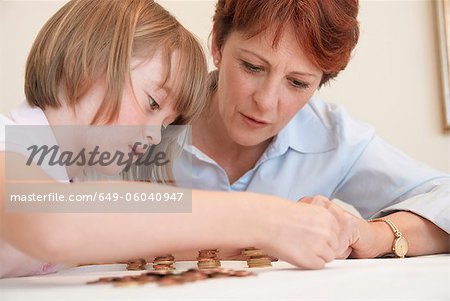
x=253 y=122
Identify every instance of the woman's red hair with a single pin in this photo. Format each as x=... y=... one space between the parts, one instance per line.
x=327 y=30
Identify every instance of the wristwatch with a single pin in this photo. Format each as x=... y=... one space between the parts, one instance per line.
x=400 y=244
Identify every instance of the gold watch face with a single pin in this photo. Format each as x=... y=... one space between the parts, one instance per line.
x=400 y=247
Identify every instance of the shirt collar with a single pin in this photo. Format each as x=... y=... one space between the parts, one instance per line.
x=309 y=131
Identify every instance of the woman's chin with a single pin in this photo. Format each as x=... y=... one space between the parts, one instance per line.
x=248 y=138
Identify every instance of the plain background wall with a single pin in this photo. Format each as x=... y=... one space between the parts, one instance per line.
x=393 y=81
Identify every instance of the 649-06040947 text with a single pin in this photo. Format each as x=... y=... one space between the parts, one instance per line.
x=99 y=197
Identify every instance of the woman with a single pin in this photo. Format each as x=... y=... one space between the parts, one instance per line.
x=266 y=131
x=129 y=63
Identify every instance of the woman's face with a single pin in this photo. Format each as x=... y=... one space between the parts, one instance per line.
x=147 y=105
x=261 y=88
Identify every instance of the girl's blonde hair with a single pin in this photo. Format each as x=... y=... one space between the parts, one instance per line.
x=87 y=39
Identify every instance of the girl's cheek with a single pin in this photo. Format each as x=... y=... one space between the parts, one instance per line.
x=130 y=115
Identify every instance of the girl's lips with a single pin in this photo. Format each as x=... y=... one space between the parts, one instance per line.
x=254 y=122
x=132 y=151
x=135 y=151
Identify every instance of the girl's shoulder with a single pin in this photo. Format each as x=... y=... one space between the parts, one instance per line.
x=24 y=115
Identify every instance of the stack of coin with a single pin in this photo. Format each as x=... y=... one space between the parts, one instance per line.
x=137 y=264
x=164 y=263
x=208 y=259
x=256 y=258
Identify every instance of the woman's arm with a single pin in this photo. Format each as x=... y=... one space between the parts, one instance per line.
x=379 y=180
x=423 y=237
x=362 y=239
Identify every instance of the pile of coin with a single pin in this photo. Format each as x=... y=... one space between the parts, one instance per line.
x=208 y=259
x=137 y=264
x=256 y=258
x=169 y=278
x=164 y=263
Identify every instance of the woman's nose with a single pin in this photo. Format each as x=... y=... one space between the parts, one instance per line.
x=266 y=95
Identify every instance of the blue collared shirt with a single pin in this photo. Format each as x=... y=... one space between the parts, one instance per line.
x=324 y=151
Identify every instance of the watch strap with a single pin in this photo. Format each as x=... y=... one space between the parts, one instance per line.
x=398 y=235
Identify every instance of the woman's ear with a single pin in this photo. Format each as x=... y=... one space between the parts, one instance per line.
x=215 y=51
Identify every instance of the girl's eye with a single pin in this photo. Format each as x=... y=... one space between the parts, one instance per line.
x=299 y=84
x=252 y=68
x=154 y=106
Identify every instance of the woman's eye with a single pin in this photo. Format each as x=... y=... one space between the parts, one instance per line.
x=251 y=67
x=154 y=106
x=299 y=84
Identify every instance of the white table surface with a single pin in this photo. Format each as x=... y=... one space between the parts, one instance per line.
x=420 y=278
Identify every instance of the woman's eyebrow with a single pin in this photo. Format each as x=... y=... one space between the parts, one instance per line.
x=255 y=54
x=300 y=73
x=303 y=74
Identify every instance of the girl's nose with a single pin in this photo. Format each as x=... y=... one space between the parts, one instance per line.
x=153 y=134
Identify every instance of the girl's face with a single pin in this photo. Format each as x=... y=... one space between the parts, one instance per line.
x=261 y=88
x=147 y=105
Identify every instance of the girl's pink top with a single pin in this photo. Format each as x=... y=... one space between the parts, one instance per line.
x=14 y=263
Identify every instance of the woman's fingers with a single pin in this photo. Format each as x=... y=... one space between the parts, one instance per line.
x=346 y=254
x=348 y=233
x=318 y=200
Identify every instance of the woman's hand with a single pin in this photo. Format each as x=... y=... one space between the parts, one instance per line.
x=357 y=237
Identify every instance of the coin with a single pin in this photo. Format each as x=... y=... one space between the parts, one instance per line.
x=208 y=259
x=164 y=262
x=137 y=264
x=256 y=258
